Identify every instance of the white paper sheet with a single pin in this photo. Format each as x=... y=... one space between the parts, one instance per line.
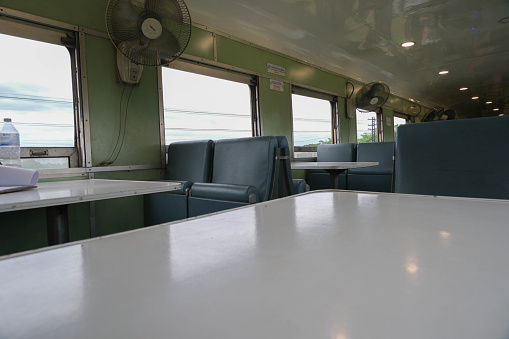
x=13 y=178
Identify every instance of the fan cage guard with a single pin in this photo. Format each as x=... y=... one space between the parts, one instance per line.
x=124 y=20
x=372 y=96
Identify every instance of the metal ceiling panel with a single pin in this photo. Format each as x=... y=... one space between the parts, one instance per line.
x=361 y=39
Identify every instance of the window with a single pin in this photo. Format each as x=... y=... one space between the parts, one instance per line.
x=398 y=121
x=312 y=121
x=37 y=92
x=368 y=129
x=199 y=106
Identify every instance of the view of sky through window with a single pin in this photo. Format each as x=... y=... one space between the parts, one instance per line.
x=398 y=122
x=311 y=120
x=202 y=107
x=36 y=91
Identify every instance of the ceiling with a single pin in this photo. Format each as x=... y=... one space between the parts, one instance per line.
x=361 y=39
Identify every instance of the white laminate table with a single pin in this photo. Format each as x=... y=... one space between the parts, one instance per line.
x=56 y=196
x=326 y=264
x=334 y=168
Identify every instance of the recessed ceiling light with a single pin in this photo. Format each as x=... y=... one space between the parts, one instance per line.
x=463 y=88
x=501 y=115
x=408 y=44
x=475 y=98
x=496 y=109
x=443 y=72
x=489 y=102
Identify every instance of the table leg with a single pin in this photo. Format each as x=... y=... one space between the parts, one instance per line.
x=334 y=179
x=57 y=224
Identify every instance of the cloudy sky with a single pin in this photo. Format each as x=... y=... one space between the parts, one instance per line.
x=36 y=91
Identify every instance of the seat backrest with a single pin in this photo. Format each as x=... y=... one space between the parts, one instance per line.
x=246 y=161
x=466 y=158
x=381 y=152
x=335 y=152
x=190 y=160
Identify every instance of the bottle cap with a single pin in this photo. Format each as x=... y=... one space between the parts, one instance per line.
x=7 y=120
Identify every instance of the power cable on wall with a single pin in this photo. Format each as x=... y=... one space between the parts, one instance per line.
x=121 y=129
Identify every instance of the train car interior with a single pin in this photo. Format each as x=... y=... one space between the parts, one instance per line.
x=254 y=169
x=92 y=101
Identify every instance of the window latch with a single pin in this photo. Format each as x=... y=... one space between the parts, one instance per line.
x=38 y=153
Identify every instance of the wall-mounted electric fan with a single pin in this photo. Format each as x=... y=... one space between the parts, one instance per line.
x=147 y=32
x=434 y=114
x=372 y=96
x=448 y=115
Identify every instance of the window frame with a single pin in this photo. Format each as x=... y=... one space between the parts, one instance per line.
x=25 y=26
x=406 y=117
x=199 y=68
x=333 y=100
x=403 y=116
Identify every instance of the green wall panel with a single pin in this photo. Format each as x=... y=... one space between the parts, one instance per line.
x=347 y=126
x=23 y=231
x=276 y=110
x=201 y=44
x=238 y=54
x=26 y=230
x=129 y=114
x=122 y=214
x=89 y=13
x=388 y=130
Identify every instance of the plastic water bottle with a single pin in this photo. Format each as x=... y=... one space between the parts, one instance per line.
x=9 y=145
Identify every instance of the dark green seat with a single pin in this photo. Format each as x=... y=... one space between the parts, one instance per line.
x=376 y=178
x=188 y=162
x=320 y=179
x=464 y=158
x=242 y=173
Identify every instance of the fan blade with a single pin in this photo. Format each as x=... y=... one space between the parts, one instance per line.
x=362 y=101
x=151 y=52
x=132 y=49
x=167 y=46
x=450 y=114
x=123 y=21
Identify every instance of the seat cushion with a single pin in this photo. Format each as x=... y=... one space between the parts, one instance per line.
x=245 y=161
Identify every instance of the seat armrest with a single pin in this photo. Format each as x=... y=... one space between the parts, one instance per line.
x=228 y=192
x=184 y=189
x=300 y=186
